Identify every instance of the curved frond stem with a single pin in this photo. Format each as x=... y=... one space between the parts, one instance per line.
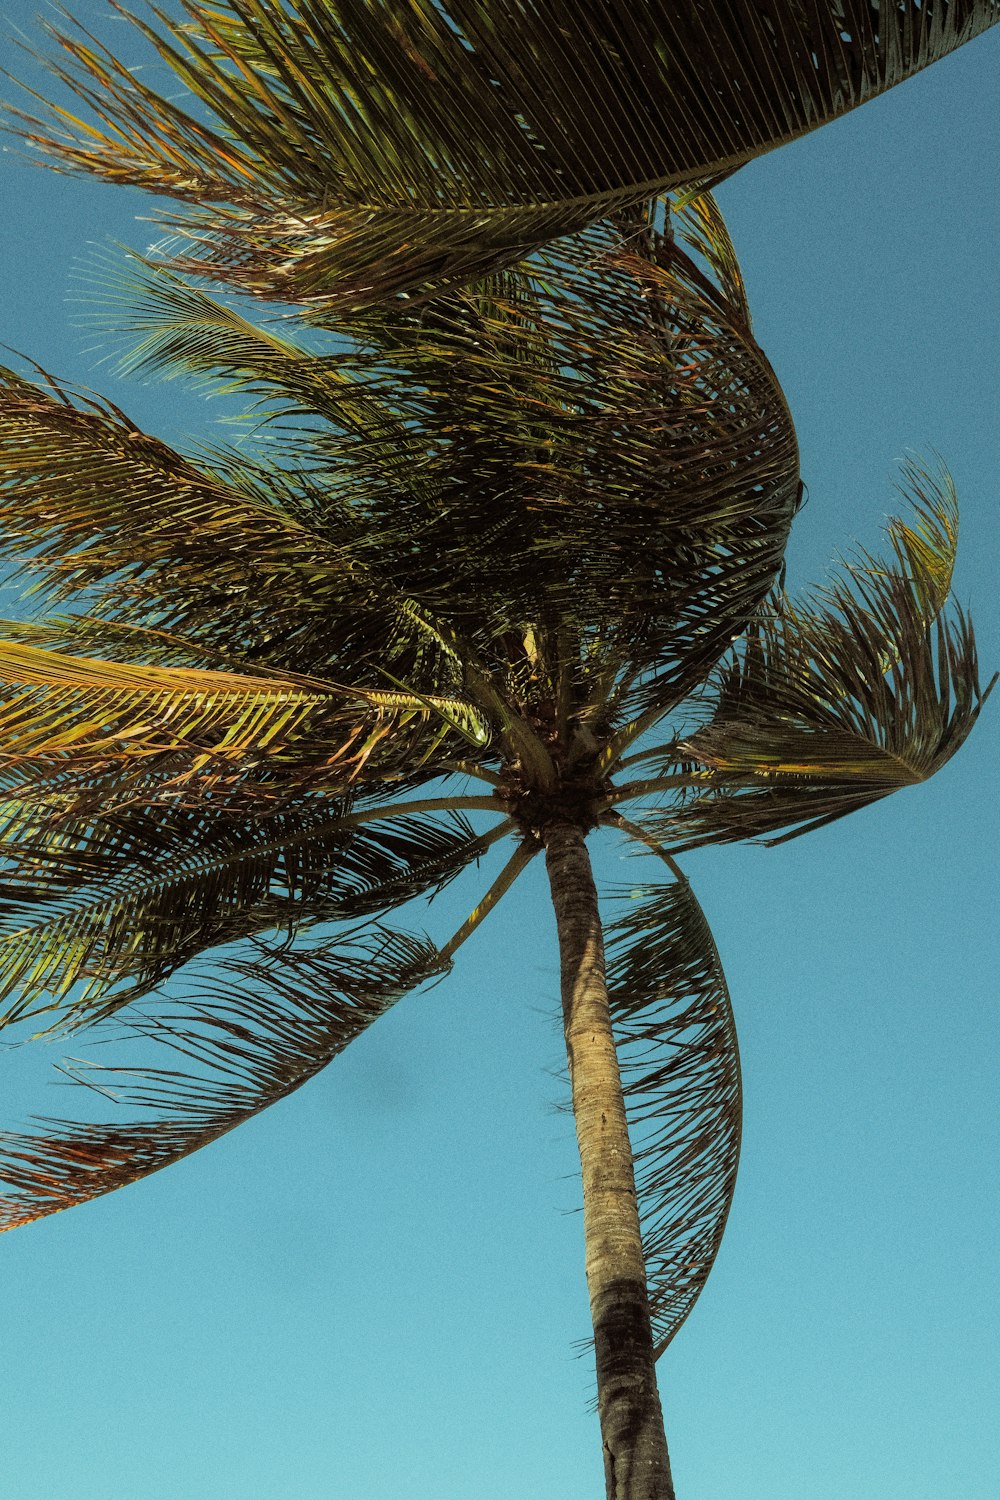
x=525 y=744
x=828 y=705
x=469 y=768
x=628 y=734
x=643 y=757
x=633 y=789
x=634 y=831
x=609 y=687
x=522 y=857
x=421 y=805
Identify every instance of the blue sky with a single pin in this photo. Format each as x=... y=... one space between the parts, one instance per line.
x=375 y=1288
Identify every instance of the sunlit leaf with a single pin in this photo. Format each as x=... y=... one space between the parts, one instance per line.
x=834 y=704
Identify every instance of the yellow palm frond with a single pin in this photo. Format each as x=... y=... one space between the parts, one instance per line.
x=54 y=705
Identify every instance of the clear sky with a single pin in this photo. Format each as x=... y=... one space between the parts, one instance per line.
x=375 y=1288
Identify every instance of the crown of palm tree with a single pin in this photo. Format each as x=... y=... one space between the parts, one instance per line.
x=503 y=536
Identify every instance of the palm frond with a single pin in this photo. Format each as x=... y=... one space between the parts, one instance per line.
x=167 y=327
x=700 y=226
x=832 y=705
x=89 y=713
x=93 y=500
x=95 y=910
x=347 y=152
x=120 y=640
x=244 y=561
x=262 y=1025
x=598 y=439
x=595 y=434
x=925 y=545
x=680 y=1065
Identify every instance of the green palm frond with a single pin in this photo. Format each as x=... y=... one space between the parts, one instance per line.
x=263 y=1024
x=167 y=327
x=830 y=706
x=680 y=1065
x=244 y=561
x=346 y=152
x=96 y=910
x=598 y=439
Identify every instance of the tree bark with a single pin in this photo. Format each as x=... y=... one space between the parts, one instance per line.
x=636 y=1465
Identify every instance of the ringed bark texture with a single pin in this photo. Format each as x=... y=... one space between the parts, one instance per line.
x=635 y=1450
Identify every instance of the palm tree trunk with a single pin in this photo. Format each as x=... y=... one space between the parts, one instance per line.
x=635 y=1450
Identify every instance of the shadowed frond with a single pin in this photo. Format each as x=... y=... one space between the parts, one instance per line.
x=346 y=152
x=681 y=1074
x=598 y=440
x=95 y=911
x=166 y=326
x=829 y=706
x=249 y=563
x=596 y=437
x=95 y=500
x=259 y=1027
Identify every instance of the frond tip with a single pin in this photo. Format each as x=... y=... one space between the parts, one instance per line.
x=832 y=705
x=260 y=1029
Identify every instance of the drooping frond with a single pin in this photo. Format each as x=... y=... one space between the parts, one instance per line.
x=96 y=910
x=346 y=152
x=681 y=1074
x=96 y=502
x=258 y=1027
x=596 y=438
x=834 y=704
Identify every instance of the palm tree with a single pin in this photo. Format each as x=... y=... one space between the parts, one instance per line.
x=528 y=536
x=346 y=152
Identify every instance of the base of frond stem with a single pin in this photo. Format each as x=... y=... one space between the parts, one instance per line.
x=576 y=801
